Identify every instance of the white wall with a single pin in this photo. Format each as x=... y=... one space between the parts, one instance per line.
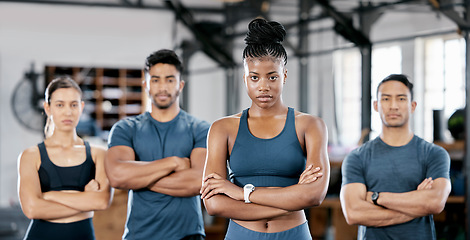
x=206 y=88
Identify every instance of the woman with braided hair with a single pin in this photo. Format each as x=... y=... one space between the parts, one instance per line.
x=277 y=157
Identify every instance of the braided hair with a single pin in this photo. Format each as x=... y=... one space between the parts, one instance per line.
x=264 y=39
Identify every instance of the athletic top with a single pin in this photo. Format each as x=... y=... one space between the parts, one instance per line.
x=57 y=178
x=154 y=215
x=384 y=168
x=273 y=162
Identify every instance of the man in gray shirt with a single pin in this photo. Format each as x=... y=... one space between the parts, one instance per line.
x=392 y=185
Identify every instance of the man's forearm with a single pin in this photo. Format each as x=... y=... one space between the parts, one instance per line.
x=415 y=203
x=375 y=216
x=429 y=198
x=139 y=174
x=186 y=183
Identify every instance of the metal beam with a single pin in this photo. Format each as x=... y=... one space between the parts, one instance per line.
x=384 y=5
x=121 y=4
x=467 y=121
x=453 y=15
x=367 y=19
x=139 y=4
x=366 y=80
x=209 y=46
x=344 y=25
x=189 y=48
x=232 y=88
x=304 y=7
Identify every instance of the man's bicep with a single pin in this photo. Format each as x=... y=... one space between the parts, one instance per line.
x=353 y=192
x=198 y=158
x=442 y=186
x=352 y=170
x=200 y=135
x=438 y=164
x=116 y=154
x=352 y=197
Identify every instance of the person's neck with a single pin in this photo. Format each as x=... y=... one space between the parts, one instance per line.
x=396 y=136
x=64 y=139
x=166 y=114
x=275 y=110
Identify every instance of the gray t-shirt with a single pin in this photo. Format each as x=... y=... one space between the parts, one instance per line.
x=153 y=215
x=384 y=168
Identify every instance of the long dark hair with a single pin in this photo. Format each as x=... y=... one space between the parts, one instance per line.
x=57 y=83
x=264 y=39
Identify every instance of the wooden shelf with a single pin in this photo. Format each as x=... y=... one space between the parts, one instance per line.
x=134 y=81
x=456 y=199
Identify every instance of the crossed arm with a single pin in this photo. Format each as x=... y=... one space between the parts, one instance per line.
x=59 y=204
x=179 y=177
x=358 y=208
x=184 y=183
x=223 y=198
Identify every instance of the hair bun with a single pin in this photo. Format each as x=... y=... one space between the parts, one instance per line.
x=261 y=31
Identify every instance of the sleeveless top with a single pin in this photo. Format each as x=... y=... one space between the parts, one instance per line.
x=57 y=178
x=273 y=162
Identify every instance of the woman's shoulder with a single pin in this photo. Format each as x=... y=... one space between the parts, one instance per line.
x=33 y=150
x=97 y=148
x=30 y=155
x=305 y=119
x=226 y=123
x=97 y=151
x=228 y=120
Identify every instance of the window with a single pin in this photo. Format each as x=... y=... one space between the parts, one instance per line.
x=439 y=81
x=348 y=95
x=385 y=61
x=444 y=79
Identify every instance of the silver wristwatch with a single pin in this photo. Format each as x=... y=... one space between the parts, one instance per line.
x=247 y=189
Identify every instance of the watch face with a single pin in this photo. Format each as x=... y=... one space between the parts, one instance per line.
x=374 y=196
x=249 y=187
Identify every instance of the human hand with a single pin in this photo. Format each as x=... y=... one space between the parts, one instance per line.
x=92 y=186
x=425 y=184
x=181 y=163
x=214 y=184
x=310 y=175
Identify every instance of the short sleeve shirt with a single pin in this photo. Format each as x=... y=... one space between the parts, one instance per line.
x=152 y=215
